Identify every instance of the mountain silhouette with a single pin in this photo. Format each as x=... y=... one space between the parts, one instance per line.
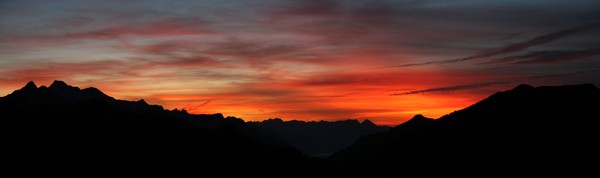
x=63 y=122
x=527 y=131
x=534 y=131
x=318 y=139
x=372 y=143
x=71 y=113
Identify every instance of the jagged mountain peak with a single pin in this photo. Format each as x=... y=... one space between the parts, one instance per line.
x=418 y=120
x=367 y=121
x=30 y=85
x=59 y=84
x=419 y=117
x=58 y=93
x=142 y=101
x=63 y=87
x=523 y=87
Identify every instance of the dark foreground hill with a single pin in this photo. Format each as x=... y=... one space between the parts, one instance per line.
x=541 y=131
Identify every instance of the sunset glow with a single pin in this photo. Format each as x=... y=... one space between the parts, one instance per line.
x=305 y=60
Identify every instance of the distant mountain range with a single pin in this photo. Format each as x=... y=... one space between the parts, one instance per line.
x=319 y=139
x=527 y=131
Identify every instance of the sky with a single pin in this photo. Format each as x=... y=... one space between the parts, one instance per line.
x=382 y=60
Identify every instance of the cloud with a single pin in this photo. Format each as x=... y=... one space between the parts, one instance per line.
x=337 y=23
x=45 y=72
x=310 y=8
x=450 y=88
x=516 y=47
x=223 y=54
x=539 y=77
x=166 y=27
x=205 y=103
x=254 y=51
x=366 y=79
x=197 y=62
x=103 y=24
x=487 y=84
x=548 y=56
x=544 y=57
x=344 y=79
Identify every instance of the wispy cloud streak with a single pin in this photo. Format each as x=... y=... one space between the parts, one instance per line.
x=450 y=88
x=487 y=84
x=512 y=47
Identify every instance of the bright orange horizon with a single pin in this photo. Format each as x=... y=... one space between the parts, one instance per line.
x=301 y=60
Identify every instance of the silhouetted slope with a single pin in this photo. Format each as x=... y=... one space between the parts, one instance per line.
x=370 y=144
x=538 y=131
x=317 y=138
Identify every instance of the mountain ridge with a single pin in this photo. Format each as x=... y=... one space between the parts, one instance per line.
x=317 y=138
x=60 y=95
x=62 y=122
x=545 y=130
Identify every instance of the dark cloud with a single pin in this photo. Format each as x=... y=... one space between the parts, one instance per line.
x=197 y=62
x=450 y=88
x=512 y=35
x=335 y=80
x=516 y=47
x=338 y=23
x=360 y=79
x=205 y=103
x=49 y=71
x=310 y=8
x=252 y=89
x=251 y=49
x=487 y=84
x=549 y=56
x=340 y=96
x=166 y=27
x=192 y=53
x=544 y=57
x=541 y=77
